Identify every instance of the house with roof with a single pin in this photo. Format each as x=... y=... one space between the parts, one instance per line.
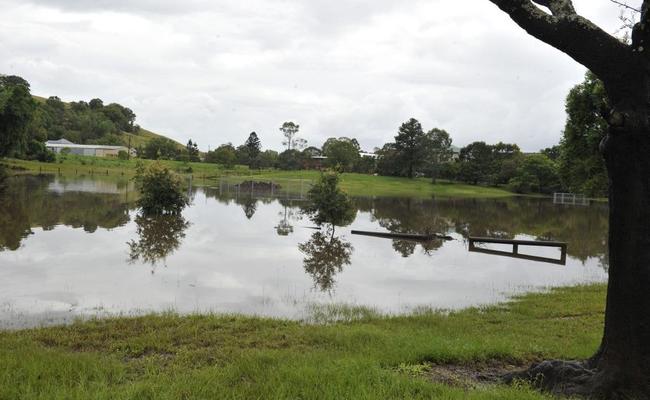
x=93 y=150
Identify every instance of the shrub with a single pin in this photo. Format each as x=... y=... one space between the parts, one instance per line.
x=161 y=190
x=122 y=155
x=37 y=151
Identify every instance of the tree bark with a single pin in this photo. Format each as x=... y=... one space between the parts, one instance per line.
x=623 y=361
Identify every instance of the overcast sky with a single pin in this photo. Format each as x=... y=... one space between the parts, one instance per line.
x=215 y=70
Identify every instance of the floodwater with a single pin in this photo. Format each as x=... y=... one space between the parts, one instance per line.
x=77 y=247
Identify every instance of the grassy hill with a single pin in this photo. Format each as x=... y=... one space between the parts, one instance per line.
x=139 y=138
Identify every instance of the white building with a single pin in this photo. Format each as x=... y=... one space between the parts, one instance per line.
x=93 y=150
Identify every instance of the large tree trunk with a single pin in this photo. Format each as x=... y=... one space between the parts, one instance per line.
x=623 y=361
x=620 y=369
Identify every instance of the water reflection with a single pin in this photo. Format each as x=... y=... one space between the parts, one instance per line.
x=584 y=228
x=42 y=201
x=158 y=237
x=249 y=206
x=65 y=249
x=325 y=256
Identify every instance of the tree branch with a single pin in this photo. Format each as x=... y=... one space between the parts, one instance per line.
x=624 y=5
x=558 y=7
x=572 y=34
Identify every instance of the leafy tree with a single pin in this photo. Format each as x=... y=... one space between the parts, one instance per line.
x=268 y=159
x=409 y=146
x=192 y=151
x=538 y=174
x=582 y=166
x=552 y=152
x=159 y=149
x=388 y=163
x=290 y=160
x=16 y=113
x=290 y=130
x=312 y=151
x=328 y=204
x=161 y=191
x=365 y=165
x=253 y=147
x=476 y=163
x=438 y=150
x=96 y=104
x=36 y=150
x=619 y=368
x=224 y=155
x=341 y=153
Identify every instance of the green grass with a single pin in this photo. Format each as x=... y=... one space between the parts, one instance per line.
x=209 y=174
x=232 y=357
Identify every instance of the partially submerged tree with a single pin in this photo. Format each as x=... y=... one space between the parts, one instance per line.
x=161 y=190
x=619 y=369
x=328 y=204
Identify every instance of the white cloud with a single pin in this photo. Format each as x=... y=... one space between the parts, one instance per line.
x=215 y=70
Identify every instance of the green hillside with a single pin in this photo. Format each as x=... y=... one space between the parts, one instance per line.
x=90 y=123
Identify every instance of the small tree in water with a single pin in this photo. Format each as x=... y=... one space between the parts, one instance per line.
x=328 y=203
x=161 y=191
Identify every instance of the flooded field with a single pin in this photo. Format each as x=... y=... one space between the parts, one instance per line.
x=77 y=247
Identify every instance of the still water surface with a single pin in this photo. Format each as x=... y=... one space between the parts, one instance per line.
x=77 y=247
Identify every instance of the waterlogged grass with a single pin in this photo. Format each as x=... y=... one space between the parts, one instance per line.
x=231 y=357
x=210 y=174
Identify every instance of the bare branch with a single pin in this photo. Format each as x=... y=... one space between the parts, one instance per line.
x=624 y=5
x=572 y=34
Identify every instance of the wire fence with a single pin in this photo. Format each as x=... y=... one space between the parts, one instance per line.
x=570 y=199
x=259 y=187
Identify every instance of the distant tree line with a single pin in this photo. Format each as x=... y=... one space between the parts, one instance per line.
x=575 y=164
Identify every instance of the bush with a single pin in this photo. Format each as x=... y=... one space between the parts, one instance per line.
x=161 y=190
x=290 y=160
x=328 y=203
x=122 y=155
x=37 y=151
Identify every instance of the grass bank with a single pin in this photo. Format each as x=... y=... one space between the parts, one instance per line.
x=229 y=357
x=209 y=174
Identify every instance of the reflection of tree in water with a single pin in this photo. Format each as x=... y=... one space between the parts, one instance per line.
x=405 y=215
x=29 y=203
x=249 y=205
x=584 y=228
x=284 y=227
x=158 y=237
x=325 y=256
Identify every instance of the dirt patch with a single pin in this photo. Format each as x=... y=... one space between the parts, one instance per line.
x=467 y=376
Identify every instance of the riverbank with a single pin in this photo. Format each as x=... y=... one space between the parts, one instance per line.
x=205 y=174
x=366 y=357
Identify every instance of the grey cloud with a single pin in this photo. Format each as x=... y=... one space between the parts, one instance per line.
x=214 y=71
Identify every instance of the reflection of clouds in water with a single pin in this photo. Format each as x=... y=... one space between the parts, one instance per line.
x=228 y=263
